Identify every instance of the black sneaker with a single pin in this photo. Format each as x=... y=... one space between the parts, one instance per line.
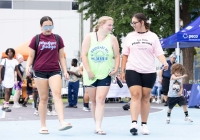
x=24 y=105
x=68 y=106
x=165 y=104
x=75 y=106
x=6 y=109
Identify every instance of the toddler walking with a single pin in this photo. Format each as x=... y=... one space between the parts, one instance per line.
x=175 y=95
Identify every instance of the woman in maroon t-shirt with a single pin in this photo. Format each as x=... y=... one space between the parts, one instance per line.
x=47 y=55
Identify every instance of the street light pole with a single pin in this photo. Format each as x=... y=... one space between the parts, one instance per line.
x=80 y=30
x=177 y=27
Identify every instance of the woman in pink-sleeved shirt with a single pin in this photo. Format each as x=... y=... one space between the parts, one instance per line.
x=138 y=67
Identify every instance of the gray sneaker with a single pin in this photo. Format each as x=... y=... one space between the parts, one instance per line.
x=6 y=109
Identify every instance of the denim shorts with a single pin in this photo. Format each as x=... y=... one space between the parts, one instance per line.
x=156 y=91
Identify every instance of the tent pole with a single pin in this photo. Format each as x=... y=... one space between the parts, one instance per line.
x=177 y=27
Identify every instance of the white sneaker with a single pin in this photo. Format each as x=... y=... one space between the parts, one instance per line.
x=16 y=106
x=86 y=109
x=53 y=113
x=144 y=129
x=168 y=120
x=188 y=119
x=154 y=100
x=49 y=113
x=158 y=101
x=36 y=112
x=134 y=128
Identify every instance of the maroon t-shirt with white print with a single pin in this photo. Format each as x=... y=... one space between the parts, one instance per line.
x=47 y=56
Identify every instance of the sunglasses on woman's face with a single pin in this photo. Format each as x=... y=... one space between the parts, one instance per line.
x=46 y=27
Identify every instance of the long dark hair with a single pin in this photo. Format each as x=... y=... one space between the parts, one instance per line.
x=142 y=17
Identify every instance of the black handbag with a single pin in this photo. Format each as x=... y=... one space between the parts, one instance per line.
x=3 y=71
x=119 y=83
x=126 y=106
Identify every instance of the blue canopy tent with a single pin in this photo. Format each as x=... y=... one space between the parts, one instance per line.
x=187 y=37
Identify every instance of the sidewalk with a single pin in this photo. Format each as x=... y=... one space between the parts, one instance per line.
x=117 y=128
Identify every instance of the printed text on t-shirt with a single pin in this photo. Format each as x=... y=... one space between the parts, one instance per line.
x=99 y=54
x=47 y=45
x=142 y=42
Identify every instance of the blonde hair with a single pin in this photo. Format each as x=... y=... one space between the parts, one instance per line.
x=19 y=56
x=102 y=20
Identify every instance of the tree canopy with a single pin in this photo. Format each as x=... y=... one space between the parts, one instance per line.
x=161 y=15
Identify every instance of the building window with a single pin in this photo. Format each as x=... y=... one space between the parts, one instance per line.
x=5 y=4
x=74 y=5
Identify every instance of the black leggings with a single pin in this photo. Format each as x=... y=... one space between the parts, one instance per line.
x=134 y=78
x=35 y=100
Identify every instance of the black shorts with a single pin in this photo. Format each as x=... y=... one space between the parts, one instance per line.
x=29 y=92
x=134 y=78
x=165 y=86
x=172 y=101
x=45 y=75
x=101 y=82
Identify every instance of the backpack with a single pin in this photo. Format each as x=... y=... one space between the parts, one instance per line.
x=37 y=40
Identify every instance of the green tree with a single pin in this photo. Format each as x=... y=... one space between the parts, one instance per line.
x=160 y=12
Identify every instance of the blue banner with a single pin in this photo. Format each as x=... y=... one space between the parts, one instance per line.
x=187 y=91
x=194 y=97
x=188 y=37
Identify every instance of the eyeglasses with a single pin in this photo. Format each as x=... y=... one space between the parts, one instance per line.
x=133 y=23
x=50 y=27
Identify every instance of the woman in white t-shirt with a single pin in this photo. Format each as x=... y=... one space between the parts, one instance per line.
x=10 y=77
